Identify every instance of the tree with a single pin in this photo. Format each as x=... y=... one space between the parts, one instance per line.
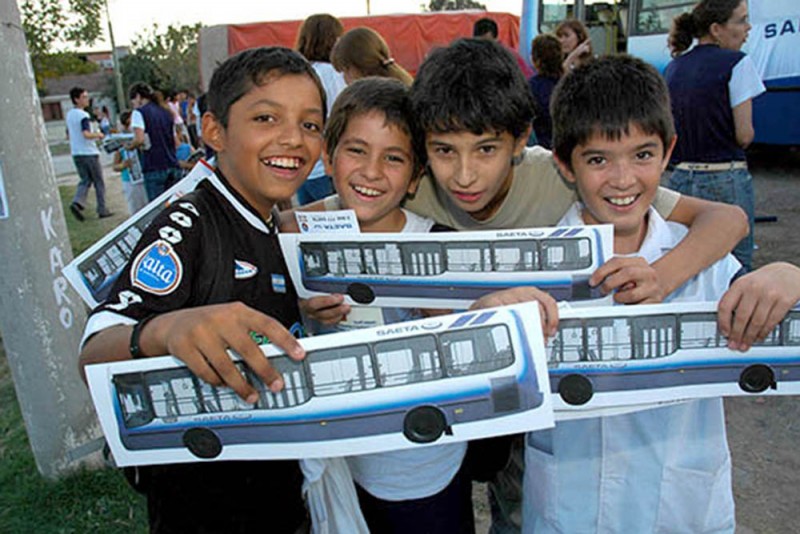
x=454 y=5
x=166 y=60
x=49 y=28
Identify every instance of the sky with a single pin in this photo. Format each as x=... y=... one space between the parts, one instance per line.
x=130 y=17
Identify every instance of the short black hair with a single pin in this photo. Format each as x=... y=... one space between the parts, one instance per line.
x=125 y=117
x=385 y=95
x=472 y=85
x=141 y=89
x=75 y=93
x=607 y=96
x=484 y=26
x=241 y=72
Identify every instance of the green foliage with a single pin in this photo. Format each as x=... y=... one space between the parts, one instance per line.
x=167 y=60
x=60 y=64
x=454 y=5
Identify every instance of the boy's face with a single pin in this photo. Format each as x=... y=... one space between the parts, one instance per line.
x=474 y=170
x=617 y=181
x=273 y=139
x=373 y=170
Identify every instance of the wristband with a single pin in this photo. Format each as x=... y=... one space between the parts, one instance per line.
x=136 y=350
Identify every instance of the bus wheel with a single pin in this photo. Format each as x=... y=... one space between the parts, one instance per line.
x=424 y=424
x=757 y=378
x=361 y=293
x=575 y=389
x=202 y=442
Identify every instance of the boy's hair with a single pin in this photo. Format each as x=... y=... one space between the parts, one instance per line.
x=75 y=93
x=606 y=97
x=141 y=89
x=254 y=67
x=547 y=56
x=484 y=26
x=317 y=35
x=472 y=85
x=364 y=50
x=384 y=95
x=125 y=118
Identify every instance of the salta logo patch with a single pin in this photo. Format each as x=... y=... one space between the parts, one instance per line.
x=244 y=270
x=157 y=269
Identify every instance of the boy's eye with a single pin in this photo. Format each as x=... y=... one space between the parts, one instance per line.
x=264 y=117
x=644 y=155
x=312 y=126
x=487 y=149
x=443 y=150
x=356 y=150
x=596 y=160
x=393 y=158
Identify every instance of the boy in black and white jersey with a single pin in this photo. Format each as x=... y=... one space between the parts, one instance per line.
x=208 y=272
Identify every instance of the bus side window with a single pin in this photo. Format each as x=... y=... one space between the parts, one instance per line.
x=654 y=336
x=567 y=345
x=344 y=258
x=340 y=370
x=609 y=339
x=699 y=331
x=477 y=350
x=516 y=256
x=566 y=254
x=406 y=361
x=382 y=258
x=133 y=400
x=469 y=257
x=314 y=260
x=173 y=393
x=295 y=389
x=422 y=259
x=791 y=328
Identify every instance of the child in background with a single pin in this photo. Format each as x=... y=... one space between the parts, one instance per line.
x=266 y=111
x=658 y=470
x=546 y=57
x=127 y=163
x=374 y=152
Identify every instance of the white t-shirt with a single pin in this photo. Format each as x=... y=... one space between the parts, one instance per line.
x=333 y=83
x=78 y=144
x=745 y=82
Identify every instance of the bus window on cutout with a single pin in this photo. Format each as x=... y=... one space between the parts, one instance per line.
x=408 y=361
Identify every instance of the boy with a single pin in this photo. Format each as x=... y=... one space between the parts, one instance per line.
x=664 y=469
x=126 y=162
x=476 y=109
x=374 y=152
x=266 y=113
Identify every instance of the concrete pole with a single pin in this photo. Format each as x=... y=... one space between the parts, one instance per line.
x=121 y=100
x=41 y=318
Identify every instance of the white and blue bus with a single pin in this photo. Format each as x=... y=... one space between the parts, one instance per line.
x=423 y=381
x=447 y=269
x=640 y=28
x=628 y=355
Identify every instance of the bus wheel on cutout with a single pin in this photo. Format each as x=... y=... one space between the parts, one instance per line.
x=424 y=424
x=361 y=293
x=202 y=442
x=757 y=378
x=575 y=389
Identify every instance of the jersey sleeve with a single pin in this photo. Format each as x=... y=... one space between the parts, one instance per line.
x=86 y=126
x=745 y=82
x=665 y=201
x=161 y=275
x=137 y=120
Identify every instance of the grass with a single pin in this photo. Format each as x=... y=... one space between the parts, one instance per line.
x=85 y=501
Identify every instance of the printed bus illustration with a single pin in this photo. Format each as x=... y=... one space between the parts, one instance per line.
x=626 y=355
x=421 y=379
x=446 y=266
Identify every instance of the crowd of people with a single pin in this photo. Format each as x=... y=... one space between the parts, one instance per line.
x=448 y=151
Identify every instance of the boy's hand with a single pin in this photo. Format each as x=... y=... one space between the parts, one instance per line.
x=633 y=281
x=548 y=308
x=756 y=303
x=327 y=309
x=201 y=336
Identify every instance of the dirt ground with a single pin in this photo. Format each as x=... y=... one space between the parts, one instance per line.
x=763 y=432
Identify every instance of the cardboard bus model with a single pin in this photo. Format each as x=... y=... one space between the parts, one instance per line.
x=629 y=355
x=438 y=380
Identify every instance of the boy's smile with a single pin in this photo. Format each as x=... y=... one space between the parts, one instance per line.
x=617 y=181
x=475 y=170
x=373 y=169
x=273 y=139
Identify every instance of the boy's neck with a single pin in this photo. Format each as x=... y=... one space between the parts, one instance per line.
x=392 y=222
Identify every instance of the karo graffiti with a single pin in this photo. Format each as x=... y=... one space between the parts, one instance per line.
x=157 y=269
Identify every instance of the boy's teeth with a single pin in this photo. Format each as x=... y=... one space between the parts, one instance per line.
x=285 y=163
x=366 y=191
x=622 y=201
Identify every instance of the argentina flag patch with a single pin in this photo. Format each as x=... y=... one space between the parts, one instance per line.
x=157 y=269
x=278 y=283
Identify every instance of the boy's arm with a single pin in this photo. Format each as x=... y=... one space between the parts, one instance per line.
x=200 y=337
x=714 y=230
x=119 y=163
x=757 y=302
x=548 y=307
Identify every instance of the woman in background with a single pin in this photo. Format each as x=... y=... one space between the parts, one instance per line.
x=362 y=52
x=576 y=46
x=712 y=87
x=546 y=57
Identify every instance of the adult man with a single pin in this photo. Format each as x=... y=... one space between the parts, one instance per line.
x=85 y=155
x=486 y=28
x=154 y=134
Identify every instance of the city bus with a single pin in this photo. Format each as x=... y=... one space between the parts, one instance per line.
x=640 y=28
x=447 y=269
x=628 y=355
x=443 y=379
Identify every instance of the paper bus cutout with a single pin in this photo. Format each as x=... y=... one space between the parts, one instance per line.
x=447 y=270
x=620 y=357
x=438 y=380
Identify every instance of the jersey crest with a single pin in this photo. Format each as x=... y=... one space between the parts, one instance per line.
x=157 y=269
x=244 y=270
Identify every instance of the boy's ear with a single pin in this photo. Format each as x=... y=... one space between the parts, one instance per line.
x=327 y=160
x=522 y=141
x=414 y=183
x=668 y=153
x=213 y=132
x=564 y=169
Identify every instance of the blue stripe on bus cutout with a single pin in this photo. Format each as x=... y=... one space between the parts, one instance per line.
x=558 y=232
x=461 y=321
x=627 y=366
x=573 y=232
x=482 y=318
x=599 y=246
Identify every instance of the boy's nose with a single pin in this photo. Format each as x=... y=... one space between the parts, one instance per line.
x=622 y=176
x=373 y=168
x=290 y=134
x=463 y=175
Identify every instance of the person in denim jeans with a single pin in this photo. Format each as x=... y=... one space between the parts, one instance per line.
x=712 y=89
